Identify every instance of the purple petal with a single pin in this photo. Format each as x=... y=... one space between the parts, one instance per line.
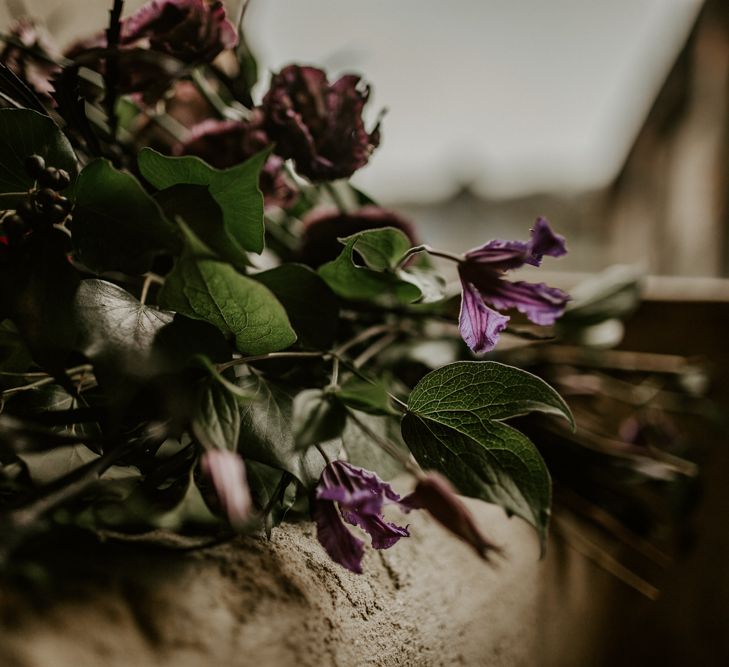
x=504 y=255
x=540 y=303
x=228 y=475
x=383 y=533
x=500 y=255
x=480 y=325
x=544 y=242
x=342 y=547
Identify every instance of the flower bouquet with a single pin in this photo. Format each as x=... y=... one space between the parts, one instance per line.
x=207 y=329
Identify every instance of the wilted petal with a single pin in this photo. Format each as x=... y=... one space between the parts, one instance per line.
x=228 y=474
x=361 y=495
x=317 y=125
x=435 y=494
x=545 y=242
x=539 y=302
x=502 y=256
x=342 y=547
x=480 y=325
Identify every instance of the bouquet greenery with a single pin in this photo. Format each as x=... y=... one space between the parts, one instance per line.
x=206 y=328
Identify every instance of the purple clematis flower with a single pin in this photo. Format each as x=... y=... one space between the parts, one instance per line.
x=227 y=473
x=189 y=30
x=485 y=292
x=361 y=495
x=317 y=124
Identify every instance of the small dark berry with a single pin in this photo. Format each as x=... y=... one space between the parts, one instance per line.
x=14 y=227
x=65 y=203
x=47 y=197
x=64 y=180
x=49 y=178
x=26 y=210
x=35 y=165
x=57 y=213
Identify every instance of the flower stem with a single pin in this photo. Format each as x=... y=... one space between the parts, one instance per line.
x=336 y=198
x=387 y=446
x=431 y=251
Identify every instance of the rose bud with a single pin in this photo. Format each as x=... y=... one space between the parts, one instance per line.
x=227 y=473
x=323 y=228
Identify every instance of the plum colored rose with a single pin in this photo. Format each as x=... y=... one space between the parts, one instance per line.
x=189 y=30
x=317 y=124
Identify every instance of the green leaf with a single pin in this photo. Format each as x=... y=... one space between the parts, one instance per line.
x=23 y=133
x=454 y=426
x=312 y=307
x=117 y=226
x=235 y=190
x=380 y=249
x=370 y=397
x=267 y=435
x=487 y=389
x=317 y=417
x=201 y=213
x=215 y=421
x=116 y=332
x=204 y=288
x=47 y=467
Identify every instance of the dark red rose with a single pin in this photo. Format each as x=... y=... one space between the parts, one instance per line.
x=318 y=125
x=224 y=143
x=322 y=228
x=189 y=30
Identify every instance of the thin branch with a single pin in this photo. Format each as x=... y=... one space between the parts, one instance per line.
x=362 y=336
x=111 y=77
x=270 y=356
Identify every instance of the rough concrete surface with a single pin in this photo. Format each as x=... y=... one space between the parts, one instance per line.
x=427 y=601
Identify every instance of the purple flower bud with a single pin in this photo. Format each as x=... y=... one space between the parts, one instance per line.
x=483 y=286
x=225 y=143
x=227 y=473
x=318 y=125
x=435 y=494
x=324 y=227
x=361 y=496
x=189 y=30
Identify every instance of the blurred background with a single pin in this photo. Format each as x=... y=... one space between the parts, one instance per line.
x=611 y=119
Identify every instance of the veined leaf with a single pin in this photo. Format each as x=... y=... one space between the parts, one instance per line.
x=235 y=190
x=317 y=417
x=267 y=435
x=380 y=249
x=204 y=288
x=117 y=226
x=215 y=420
x=454 y=425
